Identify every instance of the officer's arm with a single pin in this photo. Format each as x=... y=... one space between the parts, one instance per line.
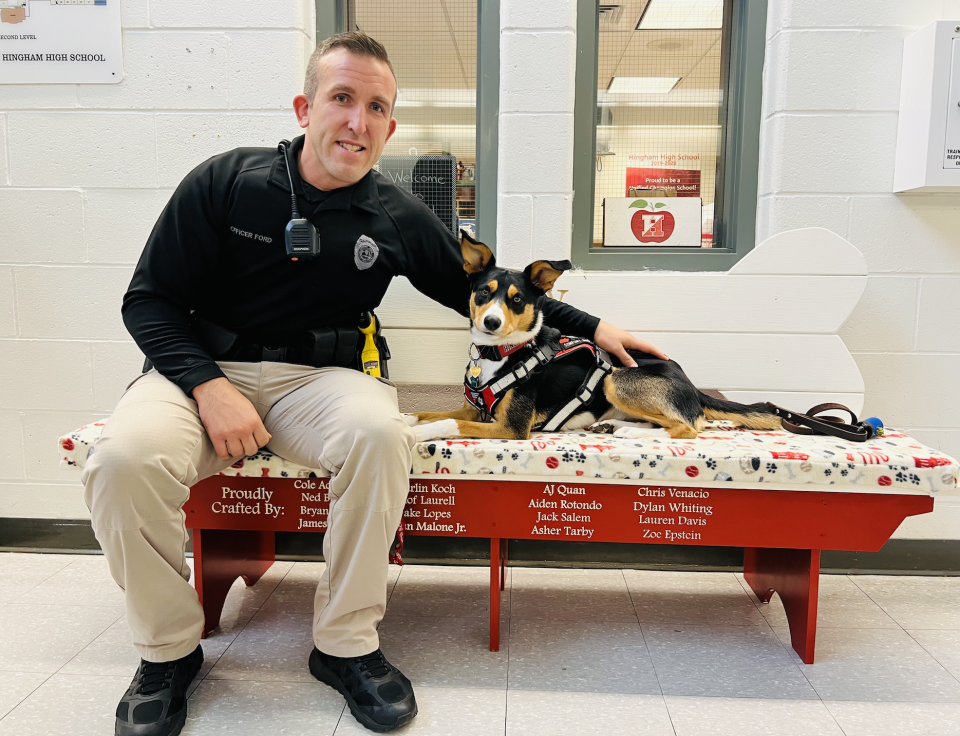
x=171 y=278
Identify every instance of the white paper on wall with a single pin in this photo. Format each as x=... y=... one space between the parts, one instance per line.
x=60 y=42
x=632 y=221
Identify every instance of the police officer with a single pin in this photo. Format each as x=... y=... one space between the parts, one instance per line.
x=223 y=314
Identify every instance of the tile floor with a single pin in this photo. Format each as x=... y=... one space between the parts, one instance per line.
x=583 y=652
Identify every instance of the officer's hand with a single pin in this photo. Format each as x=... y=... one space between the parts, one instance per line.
x=616 y=341
x=232 y=423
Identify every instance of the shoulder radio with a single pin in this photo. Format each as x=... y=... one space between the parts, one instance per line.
x=302 y=240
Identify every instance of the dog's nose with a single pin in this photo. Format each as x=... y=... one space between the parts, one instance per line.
x=491 y=323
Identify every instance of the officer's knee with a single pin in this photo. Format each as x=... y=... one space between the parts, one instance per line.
x=375 y=454
x=128 y=482
x=384 y=433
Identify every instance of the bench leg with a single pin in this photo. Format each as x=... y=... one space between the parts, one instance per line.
x=220 y=556
x=496 y=578
x=794 y=574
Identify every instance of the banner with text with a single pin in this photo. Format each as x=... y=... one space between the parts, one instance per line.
x=60 y=42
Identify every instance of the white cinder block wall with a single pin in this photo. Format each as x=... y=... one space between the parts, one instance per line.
x=538 y=49
x=84 y=172
x=831 y=96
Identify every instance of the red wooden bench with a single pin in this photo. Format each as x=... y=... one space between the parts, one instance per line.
x=782 y=497
x=782 y=532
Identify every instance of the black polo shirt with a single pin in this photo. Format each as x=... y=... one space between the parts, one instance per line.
x=218 y=250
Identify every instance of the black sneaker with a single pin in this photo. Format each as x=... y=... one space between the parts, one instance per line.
x=155 y=704
x=379 y=695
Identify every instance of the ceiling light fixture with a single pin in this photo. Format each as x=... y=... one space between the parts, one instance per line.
x=642 y=85
x=681 y=14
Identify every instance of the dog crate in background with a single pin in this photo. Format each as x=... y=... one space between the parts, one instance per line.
x=431 y=179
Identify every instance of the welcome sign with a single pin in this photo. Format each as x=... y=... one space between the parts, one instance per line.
x=632 y=221
x=60 y=42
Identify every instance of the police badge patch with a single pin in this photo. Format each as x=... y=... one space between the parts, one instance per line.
x=365 y=252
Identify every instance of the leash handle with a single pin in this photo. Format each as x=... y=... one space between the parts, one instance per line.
x=809 y=423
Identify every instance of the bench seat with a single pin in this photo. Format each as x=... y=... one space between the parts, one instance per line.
x=721 y=454
x=780 y=496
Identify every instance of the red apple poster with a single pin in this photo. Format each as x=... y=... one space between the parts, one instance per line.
x=638 y=221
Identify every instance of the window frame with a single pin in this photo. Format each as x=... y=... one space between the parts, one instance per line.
x=735 y=203
x=332 y=18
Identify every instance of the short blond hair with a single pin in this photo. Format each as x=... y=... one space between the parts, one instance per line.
x=353 y=41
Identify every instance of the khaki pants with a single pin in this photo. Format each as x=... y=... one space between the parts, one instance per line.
x=154 y=448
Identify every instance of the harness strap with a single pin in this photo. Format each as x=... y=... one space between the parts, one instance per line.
x=584 y=394
x=485 y=398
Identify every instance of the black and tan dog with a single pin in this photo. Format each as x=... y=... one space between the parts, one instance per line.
x=507 y=327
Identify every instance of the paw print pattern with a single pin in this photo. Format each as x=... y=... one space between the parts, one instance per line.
x=771 y=468
x=446 y=452
x=913 y=478
x=570 y=456
x=712 y=464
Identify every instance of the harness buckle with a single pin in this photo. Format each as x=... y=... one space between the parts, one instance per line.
x=585 y=395
x=521 y=371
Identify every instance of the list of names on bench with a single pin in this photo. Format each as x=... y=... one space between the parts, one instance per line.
x=570 y=511
x=432 y=509
x=470 y=507
x=673 y=514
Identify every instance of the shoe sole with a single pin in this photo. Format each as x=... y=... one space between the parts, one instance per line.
x=328 y=677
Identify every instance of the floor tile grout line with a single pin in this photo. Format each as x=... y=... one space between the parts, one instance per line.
x=240 y=631
x=931 y=654
x=649 y=653
x=91 y=642
x=38 y=584
x=28 y=695
x=877 y=604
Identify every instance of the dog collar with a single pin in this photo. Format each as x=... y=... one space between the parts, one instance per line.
x=496 y=352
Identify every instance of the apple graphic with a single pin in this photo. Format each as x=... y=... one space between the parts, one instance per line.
x=651 y=226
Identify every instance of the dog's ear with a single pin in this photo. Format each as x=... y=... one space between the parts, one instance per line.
x=543 y=274
x=476 y=256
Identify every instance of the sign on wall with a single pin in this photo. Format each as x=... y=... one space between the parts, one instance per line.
x=60 y=42
x=678 y=172
x=630 y=221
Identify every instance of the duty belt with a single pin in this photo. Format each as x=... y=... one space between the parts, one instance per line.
x=323 y=347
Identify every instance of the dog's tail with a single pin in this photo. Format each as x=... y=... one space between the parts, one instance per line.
x=751 y=416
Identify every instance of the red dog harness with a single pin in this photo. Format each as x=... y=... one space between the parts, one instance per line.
x=486 y=398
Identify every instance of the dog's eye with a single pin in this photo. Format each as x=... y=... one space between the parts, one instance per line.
x=484 y=292
x=517 y=300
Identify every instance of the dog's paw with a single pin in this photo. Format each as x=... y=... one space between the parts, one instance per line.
x=636 y=433
x=610 y=426
x=410 y=419
x=437 y=430
x=602 y=428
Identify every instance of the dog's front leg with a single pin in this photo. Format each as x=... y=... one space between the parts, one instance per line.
x=467 y=413
x=512 y=420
